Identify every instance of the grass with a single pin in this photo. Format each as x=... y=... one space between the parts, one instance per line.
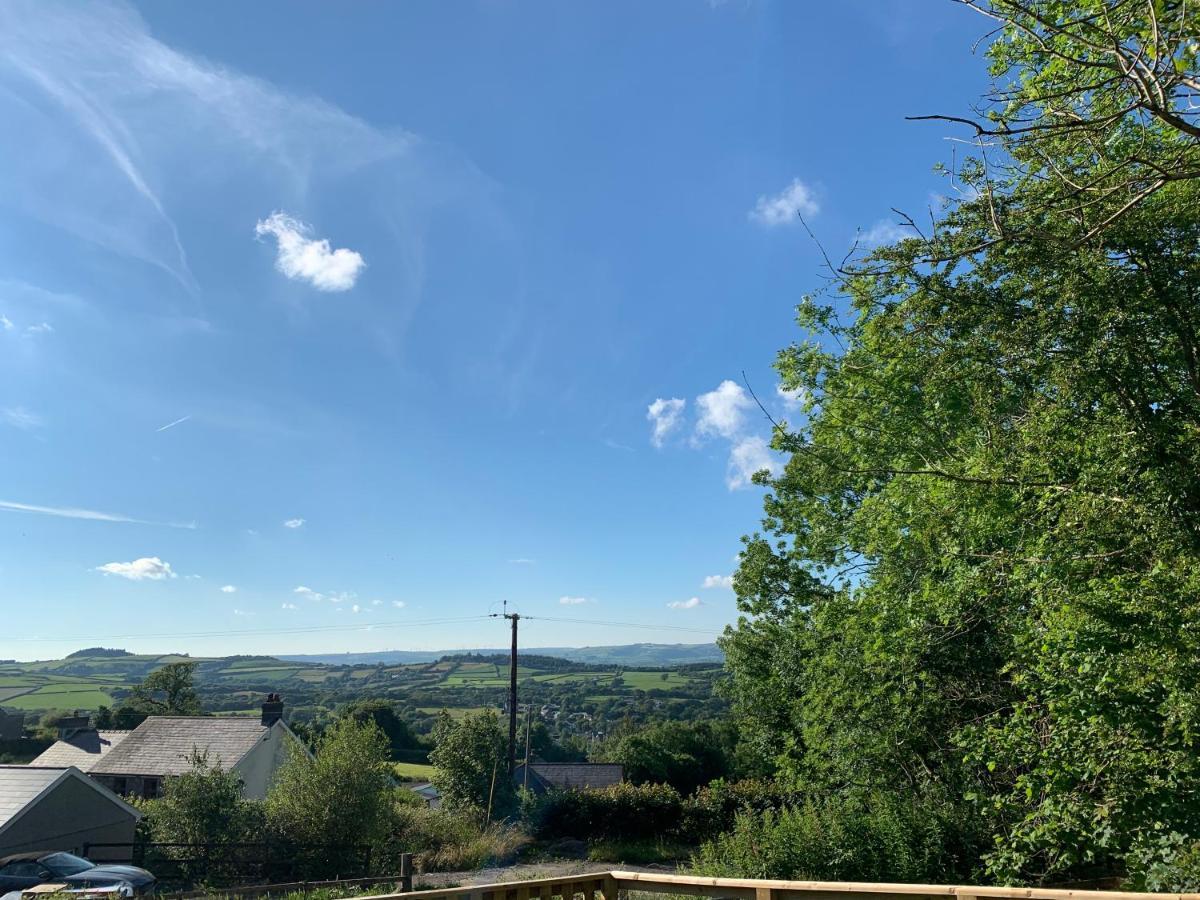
x=61 y=697
x=413 y=771
x=649 y=681
x=457 y=712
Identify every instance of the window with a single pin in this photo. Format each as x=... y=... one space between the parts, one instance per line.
x=150 y=788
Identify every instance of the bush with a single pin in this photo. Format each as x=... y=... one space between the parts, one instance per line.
x=712 y=810
x=444 y=841
x=1169 y=863
x=625 y=811
x=884 y=838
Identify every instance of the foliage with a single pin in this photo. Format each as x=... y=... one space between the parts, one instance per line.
x=1169 y=863
x=339 y=796
x=442 y=841
x=878 y=838
x=713 y=809
x=167 y=691
x=979 y=573
x=622 y=811
x=470 y=758
x=404 y=743
x=201 y=807
x=684 y=755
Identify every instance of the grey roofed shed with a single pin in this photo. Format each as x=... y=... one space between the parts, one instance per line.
x=43 y=808
x=83 y=749
x=569 y=776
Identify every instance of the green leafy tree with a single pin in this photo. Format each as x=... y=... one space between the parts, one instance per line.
x=685 y=755
x=470 y=757
x=404 y=743
x=339 y=796
x=167 y=691
x=980 y=569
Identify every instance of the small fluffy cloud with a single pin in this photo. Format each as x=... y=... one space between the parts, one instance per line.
x=666 y=416
x=40 y=328
x=294 y=523
x=229 y=589
x=399 y=604
x=748 y=456
x=303 y=258
x=685 y=604
x=885 y=231
x=573 y=601
x=718 y=581
x=355 y=608
x=723 y=411
x=20 y=417
x=148 y=568
x=289 y=606
x=308 y=593
x=5 y=323
x=242 y=612
x=785 y=207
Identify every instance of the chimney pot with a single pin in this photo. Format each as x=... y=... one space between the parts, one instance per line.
x=272 y=710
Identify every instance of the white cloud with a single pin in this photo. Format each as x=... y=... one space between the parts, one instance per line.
x=522 y=561
x=308 y=593
x=377 y=603
x=748 y=456
x=242 y=612
x=317 y=597
x=685 y=604
x=355 y=608
x=304 y=258
x=294 y=523
x=20 y=417
x=229 y=589
x=573 y=601
x=666 y=416
x=173 y=424
x=785 y=207
x=885 y=231
x=148 y=568
x=793 y=400
x=723 y=411
x=40 y=328
x=718 y=581
x=5 y=323
x=67 y=512
x=289 y=606
x=399 y=604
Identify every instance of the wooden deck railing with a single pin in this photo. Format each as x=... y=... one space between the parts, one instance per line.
x=607 y=885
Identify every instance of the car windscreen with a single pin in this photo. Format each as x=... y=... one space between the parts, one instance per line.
x=66 y=863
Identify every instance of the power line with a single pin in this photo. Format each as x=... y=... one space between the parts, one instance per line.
x=305 y=629
x=622 y=624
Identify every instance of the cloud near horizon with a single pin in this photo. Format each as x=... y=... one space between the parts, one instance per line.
x=304 y=258
x=147 y=568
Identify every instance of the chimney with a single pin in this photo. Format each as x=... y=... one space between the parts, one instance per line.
x=272 y=710
x=69 y=726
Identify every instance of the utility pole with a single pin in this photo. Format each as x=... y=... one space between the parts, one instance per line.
x=512 y=693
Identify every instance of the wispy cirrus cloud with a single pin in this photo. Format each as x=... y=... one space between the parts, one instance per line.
x=147 y=568
x=20 y=417
x=301 y=257
x=294 y=523
x=786 y=207
x=170 y=425
x=69 y=512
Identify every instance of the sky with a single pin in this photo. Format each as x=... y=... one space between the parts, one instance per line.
x=332 y=327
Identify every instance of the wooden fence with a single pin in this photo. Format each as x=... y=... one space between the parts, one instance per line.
x=608 y=885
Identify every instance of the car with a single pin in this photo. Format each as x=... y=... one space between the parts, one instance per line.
x=25 y=870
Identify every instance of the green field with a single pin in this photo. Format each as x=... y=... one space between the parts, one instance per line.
x=413 y=771
x=649 y=681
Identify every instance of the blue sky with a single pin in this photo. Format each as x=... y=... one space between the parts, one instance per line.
x=321 y=324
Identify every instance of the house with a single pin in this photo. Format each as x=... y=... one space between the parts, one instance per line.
x=428 y=793
x=79 y=745
x=49 y=808
x=12 y=725
x=253 y=747
x=543 y=777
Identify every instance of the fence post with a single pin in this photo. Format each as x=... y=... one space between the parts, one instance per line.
x=763 y=893
x=406 y=873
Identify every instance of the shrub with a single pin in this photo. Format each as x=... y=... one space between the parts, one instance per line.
x=883 y=838
x=625 y=811
x=1168 y=863
x=445 y=841
x=712 y=810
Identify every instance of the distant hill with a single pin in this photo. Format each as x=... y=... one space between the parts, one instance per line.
x=622 y=655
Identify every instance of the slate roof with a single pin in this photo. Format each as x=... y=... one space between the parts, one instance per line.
x=81 y=750
x=161 y=744
x=570 y=776
x=21 y=786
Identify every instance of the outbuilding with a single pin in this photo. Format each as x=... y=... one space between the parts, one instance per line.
x=47 y=808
